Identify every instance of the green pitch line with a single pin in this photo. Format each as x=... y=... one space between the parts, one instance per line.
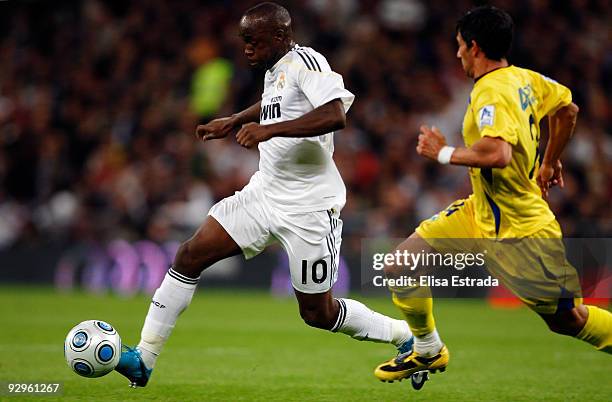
x=240 y=346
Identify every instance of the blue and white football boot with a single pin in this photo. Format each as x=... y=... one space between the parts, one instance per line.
x=131 y=366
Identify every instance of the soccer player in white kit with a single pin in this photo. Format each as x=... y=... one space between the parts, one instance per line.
x=295 y=198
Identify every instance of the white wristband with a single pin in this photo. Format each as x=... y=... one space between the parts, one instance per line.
x=444 y=156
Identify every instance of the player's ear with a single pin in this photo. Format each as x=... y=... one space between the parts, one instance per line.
x=474 y=48
x=280 y=34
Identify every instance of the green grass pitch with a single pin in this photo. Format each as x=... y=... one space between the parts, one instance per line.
x=242 y=346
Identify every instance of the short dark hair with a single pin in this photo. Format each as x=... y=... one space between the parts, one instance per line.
x=271 y=13
x=490 y=27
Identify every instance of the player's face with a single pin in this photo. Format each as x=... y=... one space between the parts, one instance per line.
x=259 y=44
x=466 y=57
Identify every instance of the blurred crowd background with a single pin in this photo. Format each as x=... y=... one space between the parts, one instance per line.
x=99 y=101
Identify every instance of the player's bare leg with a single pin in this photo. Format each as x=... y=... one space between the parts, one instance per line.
x=588 y=323
x=350 y=317
x=209 y=244
x=567 y=322
x=319 y=310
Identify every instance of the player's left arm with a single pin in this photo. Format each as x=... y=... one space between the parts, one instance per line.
x=487 y=152
x=321 y=120
x=561 y=126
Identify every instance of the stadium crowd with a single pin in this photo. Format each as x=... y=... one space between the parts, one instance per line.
x=99 y=103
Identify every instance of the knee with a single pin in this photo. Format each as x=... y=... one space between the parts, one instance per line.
x=185 y=258
x=397 y=267
x=317 y=318
x=567 y=323
x=391 y=271
x=191 y=257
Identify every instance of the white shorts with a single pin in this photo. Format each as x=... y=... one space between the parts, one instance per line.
x=311 y=239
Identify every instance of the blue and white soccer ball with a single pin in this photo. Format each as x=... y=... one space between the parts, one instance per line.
x=92 y=348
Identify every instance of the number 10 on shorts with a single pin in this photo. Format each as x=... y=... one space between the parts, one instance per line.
x=318 y=271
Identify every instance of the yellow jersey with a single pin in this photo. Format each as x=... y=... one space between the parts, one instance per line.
x=509 y=103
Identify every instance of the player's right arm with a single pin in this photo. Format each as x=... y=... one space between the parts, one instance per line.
x=487 y=152
x=220 y=128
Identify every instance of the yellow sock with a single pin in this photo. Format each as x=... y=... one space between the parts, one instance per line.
x=598 y=329
x=418 y=312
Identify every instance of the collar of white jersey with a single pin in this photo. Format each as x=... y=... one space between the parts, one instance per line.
x=280 y=61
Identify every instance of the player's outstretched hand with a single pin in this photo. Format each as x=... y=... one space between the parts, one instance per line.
x=549 y=176
x=430 y=143
x=252 y=134
x=218 y=128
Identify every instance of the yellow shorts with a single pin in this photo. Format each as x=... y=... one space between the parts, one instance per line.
x=533 y=267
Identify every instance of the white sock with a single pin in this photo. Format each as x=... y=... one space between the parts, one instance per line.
x=428 y=345
x=169 y=301
x=359 y=322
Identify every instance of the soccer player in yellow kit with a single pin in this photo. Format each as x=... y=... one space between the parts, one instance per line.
x=509 y=180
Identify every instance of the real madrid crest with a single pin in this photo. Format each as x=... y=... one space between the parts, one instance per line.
x=280 y=82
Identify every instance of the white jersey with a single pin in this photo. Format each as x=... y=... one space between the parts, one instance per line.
x=299 y=174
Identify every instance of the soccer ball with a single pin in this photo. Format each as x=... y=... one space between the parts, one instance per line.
x=92 y=348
